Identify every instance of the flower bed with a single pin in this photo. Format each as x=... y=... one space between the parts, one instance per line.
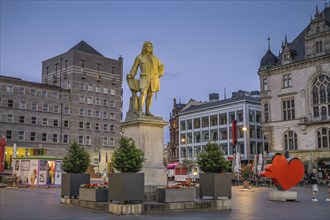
x=95 y=186
x=181 y=192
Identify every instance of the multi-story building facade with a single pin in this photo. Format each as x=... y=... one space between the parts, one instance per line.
x=173 y=145
x=212 y=122
x=80 y=97
x=295 y=93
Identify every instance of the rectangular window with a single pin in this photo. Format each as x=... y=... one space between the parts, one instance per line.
x=81 y=112
x=264 y=84
x=55 y=122
x=66 y=123
x=33 y=92
x=56 y=109
x=105 y=115
x=288 y=109
x=97 y=114
x=112 y=115
x=105 y=91
x=44 y=94
x=10 y=103
x=318 y=46
x=82 y=99
x=34 y=106
x=88 y=140
x=105 y=127
x=66 y=110
x=10 y=118
x=33 y=136
x=45 y=108
x=205 y=122
x=55 y=138
x=65 y=97
x=223 y=118
x=45 y=121
x=88 y=125
x=189 y=124
x=105 y=141
x=80 y=139
x=89 y=113
x=112 y=103
x=266 y=112
x=90 y=88
x=197 y=137
x=21 y=119
x=112 y=142
x=22 y=105
x=97 y=89
x=112 y=128
x=97 y=101
x=90 y=100
x=112 y=92
x=34 y=120
x=287 y=80
x=81 y=124
x=55 y=95
x=82 y=86
x=9 y=89
x=21 y=90
x=182 y=125
x=214 y=120
x=97 y=126
x=251 y=115
x=197 y=123
x=9 y=134
x=44 y=137
x=105 y=102
x=21 y=135
x=65 y=138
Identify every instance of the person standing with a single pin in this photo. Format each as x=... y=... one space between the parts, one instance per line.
x=313 y=179
x=151 y=69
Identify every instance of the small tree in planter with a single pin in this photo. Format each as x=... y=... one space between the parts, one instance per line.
x=127 y=185
x=75 y=163
x=189 y=165
x=214 y=181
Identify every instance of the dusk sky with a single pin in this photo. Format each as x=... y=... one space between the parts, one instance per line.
x=205 y=46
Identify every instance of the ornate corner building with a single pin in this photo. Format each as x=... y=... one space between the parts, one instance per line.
x=80 y=97
x=295 y=94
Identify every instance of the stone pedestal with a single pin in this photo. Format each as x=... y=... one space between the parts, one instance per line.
x=148 y=134
x=283 y=196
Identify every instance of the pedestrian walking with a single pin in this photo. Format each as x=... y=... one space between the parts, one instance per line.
x=313 y=179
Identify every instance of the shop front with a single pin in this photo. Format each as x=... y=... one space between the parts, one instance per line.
x=38 y=170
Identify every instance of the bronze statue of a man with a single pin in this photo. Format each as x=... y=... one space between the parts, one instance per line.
x=151 y=69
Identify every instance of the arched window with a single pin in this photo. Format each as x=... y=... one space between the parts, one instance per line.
x=290 y=140
x=321 y=96
x=323 y=138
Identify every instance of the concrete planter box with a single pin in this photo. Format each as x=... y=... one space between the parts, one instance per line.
x=93 y=194
x=215 y=185
x=71 y=182
x=126 y=187
x=176 y=195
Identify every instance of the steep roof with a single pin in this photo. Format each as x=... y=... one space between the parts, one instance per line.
x=297 y=46
x=84 y=47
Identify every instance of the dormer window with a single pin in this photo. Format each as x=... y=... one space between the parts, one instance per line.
x=318 y=29
x=286 y=57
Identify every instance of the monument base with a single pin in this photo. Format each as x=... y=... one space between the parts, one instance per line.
x=283 y=196
x=148 y=135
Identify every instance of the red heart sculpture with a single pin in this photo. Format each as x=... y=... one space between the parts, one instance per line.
x=285 y=174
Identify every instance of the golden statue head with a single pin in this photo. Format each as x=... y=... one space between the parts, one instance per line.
x=144 y=48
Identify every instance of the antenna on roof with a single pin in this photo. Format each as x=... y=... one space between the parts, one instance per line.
x=268 y=42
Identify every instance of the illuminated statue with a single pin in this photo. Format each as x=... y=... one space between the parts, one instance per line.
x=151 y=69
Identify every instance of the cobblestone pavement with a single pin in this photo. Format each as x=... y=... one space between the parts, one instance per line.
x=44 y=203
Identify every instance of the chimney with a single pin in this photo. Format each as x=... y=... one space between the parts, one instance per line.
x=213 y=97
